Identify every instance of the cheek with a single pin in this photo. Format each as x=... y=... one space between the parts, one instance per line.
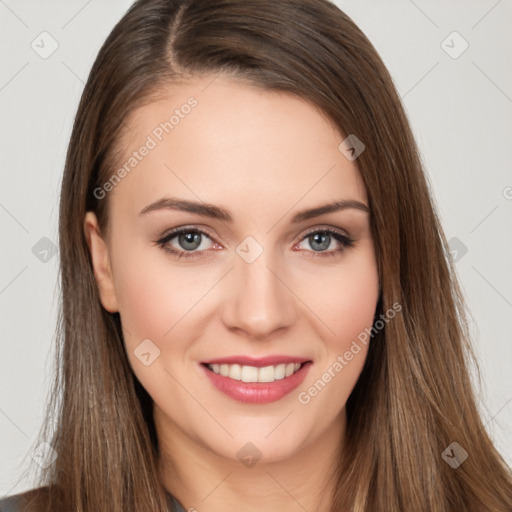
x=350 y=318
x=346 y=305
x=155 y=303
x=347 y=297
x=154 y=296
x=356 y=302
x=145 y=303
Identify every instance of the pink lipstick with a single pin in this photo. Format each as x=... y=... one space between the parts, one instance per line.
x=256 y=380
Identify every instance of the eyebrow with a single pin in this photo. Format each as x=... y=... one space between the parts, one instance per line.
x=216 y=212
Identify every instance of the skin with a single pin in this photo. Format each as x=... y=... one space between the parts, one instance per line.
x=263 y=156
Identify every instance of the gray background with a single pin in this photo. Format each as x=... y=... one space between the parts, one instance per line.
x=460 y=110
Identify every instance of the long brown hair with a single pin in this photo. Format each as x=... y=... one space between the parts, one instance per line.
x=414 y=396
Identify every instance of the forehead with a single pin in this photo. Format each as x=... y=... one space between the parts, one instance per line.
x=225 y=141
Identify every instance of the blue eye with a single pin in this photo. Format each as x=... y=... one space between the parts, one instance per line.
x=190 y=239
x=320 y=240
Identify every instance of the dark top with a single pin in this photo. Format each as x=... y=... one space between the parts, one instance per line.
x=21 y=503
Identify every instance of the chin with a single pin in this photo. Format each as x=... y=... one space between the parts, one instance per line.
x=264 y=446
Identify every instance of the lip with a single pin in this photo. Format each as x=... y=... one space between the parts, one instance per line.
x=258 y=362
x=257 y=392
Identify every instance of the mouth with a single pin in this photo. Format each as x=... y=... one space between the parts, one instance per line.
x=249 y=373
x=259 y=381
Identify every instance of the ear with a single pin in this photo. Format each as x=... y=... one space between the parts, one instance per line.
x=101 y=263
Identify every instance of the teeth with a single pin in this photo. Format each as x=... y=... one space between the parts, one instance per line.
x=280 y=372
x=249 y=374
x=254 y=374
x=267 y=374
x=235 y=372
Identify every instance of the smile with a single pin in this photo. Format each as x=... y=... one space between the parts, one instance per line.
x=253 y=373
x=259 y=382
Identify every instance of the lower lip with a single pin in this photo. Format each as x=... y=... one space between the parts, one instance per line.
x=258 y=392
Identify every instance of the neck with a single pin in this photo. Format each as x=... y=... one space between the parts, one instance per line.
x=203 y=481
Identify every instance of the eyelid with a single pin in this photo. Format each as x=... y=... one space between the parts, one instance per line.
x=187 y=228
x=164 y=240
x=342 y=237
x=206 y=231
x=314 y=229
x=172 y=233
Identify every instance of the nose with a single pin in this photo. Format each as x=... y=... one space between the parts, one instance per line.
x=258 y=299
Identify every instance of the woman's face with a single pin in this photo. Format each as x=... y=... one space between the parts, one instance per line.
x=251 y=280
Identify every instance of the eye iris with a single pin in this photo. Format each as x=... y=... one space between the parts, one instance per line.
x=315 y=239
x=190 y=238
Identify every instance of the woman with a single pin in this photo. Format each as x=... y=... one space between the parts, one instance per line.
x=257 y=307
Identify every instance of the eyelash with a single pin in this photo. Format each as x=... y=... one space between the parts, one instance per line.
x=344 y=240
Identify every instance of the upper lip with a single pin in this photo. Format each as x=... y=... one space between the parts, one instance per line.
x=258 y=362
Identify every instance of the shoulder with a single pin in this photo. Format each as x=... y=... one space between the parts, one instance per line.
x=36 y=500
x=28 y=501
